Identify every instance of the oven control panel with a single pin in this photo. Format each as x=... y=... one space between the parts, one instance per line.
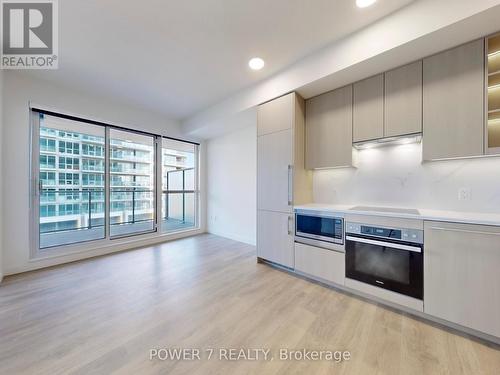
x=402 y=234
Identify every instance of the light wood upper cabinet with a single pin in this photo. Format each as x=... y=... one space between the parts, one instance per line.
x=403 y=100
x=461 y=275
x=282 y=180
x=276 y=115
x=274 y=171
x=329 y=129
x=368 y=110
x=453 y=95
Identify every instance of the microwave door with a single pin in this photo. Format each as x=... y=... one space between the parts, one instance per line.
x=324 y=228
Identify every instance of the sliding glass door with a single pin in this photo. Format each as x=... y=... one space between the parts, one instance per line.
x=179 y=185
x=132 y=182
x=98 y=182
x=70 y=191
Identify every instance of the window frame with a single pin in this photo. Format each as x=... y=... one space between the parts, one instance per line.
x=95 y=244
x=195 y=191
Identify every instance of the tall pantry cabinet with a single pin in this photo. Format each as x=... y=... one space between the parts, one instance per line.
x=282 y=180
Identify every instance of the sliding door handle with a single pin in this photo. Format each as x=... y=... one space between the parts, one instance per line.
x=37 y=187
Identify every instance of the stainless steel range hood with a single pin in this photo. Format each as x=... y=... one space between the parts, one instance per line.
x=389 y=141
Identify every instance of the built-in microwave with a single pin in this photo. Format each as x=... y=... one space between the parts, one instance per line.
x=318 y=228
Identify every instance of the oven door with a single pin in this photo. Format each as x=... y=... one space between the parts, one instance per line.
x=392 y=265
x=320 y=227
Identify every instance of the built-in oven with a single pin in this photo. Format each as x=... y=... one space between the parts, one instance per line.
x=319 y=228
x=389 y=258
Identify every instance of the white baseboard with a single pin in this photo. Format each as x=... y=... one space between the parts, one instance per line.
x=233 y=236
x=39 y=263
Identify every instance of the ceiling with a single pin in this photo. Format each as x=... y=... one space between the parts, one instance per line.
x=179 y=57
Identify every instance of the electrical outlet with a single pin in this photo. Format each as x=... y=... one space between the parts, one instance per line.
x=464 y=194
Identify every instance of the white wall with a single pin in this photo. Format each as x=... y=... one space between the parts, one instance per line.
x=395 y=176
x=231 y=184
x=1 y=173
x=420 y=29
x=19 y=89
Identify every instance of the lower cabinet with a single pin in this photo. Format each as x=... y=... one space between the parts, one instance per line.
x=462 y=275
x=275 y=237
x=328 y=265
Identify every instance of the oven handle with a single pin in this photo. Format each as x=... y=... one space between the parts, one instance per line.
x=386 y=244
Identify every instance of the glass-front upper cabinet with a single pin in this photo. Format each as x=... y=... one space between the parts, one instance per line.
x=493 y=79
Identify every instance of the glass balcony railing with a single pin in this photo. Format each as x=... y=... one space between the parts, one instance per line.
x=126 y=207
x=74 y=215
x=178 y=200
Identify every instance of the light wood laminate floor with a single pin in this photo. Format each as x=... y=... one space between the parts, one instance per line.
x=103 y=315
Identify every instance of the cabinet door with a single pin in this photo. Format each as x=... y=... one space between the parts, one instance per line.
x=326 y=264
x=275 y=237
x=461 y=275
x=403 y=100
x=368 y=110
x=275 y=115
x=329 y=129
x=454 y=102
x=275 y=171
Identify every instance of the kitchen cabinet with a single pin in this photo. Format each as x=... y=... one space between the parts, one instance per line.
x=275 y=115
x=274 y=171
x=282 y=180
x=317 y=262
x=461 y=275
x=368 y=109
x=275 y=237
x=492 y=74
x=329 y=129
x=403 y=100
x=453 y=103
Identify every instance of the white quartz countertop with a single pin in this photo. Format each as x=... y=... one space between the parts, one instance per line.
x=425 y=214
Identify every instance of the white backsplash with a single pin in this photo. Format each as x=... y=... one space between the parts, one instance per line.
x=395 y=176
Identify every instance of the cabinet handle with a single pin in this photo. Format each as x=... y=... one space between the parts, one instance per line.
x=467 y=231
x=290 y=185
x=290 y=219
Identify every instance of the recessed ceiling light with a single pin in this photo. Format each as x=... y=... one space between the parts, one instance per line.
x=256 y=63
x=365 y=3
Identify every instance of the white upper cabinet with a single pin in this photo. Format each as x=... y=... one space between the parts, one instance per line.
x=403 y=100
x=453 y=103
x=282 y=180
x=329 y=129
x=275 y=171
x=368 y=110
x=275 y=115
